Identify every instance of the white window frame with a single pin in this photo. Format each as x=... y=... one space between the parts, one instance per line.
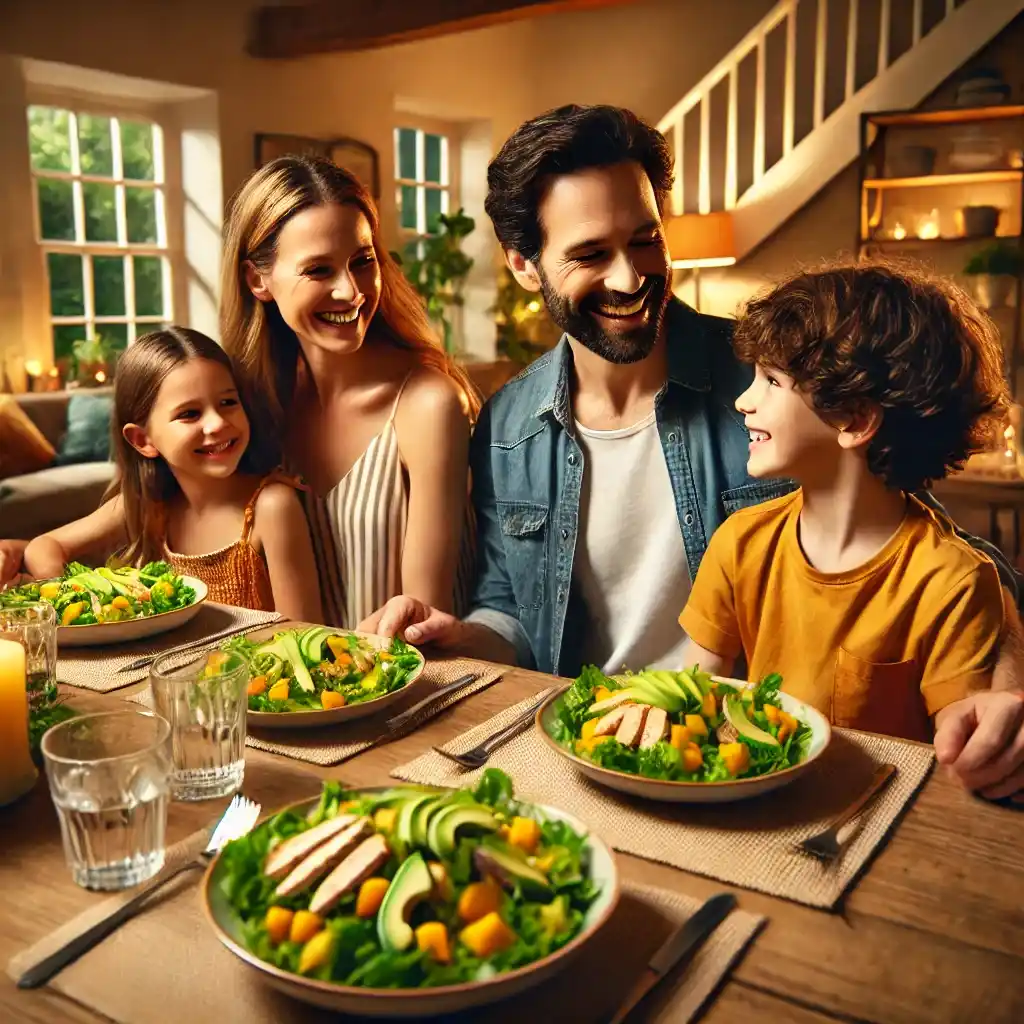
x=166 y=184
x=449 y=184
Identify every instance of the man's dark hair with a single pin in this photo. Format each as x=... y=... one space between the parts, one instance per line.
x=889 y=335
x=563 y=141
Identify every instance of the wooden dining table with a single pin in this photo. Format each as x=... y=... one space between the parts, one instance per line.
x=932 y=933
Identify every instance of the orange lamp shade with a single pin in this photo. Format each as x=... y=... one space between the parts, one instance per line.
x=701 y=240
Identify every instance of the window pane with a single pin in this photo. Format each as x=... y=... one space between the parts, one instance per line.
x=408 y=207
x=64 y=336
x=434 y=210
x=49 y=141
x=114 y=334
x=141 y=211
x=149 y=286
x=67 y=296
x=137 y=150
x=433 y=146
x=95 y=152
x=108 y=285
x=147 y=327
x=407 y=153
x=56 y=209
x=100 y=215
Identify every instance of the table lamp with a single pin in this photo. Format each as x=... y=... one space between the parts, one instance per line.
x=17 y=772
x=697 y=240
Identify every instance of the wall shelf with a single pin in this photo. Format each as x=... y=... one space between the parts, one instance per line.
x=952 y=115
x=959 y=178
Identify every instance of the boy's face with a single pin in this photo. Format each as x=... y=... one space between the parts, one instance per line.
x=787 y=437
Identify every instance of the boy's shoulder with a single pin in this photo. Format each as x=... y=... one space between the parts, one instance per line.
x=764 y=515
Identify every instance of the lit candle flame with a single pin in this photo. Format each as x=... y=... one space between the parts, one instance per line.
x=899 y=232
x=100 y=376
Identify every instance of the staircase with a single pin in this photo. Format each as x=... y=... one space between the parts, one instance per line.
x=779 y=117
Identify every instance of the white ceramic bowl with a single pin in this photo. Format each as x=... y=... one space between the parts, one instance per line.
x=314 y=718
x=695 y=792
x=422 y=1002
x=99 y=633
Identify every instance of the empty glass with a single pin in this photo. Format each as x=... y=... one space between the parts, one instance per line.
x=205 y=701
x=35 y=627
x=108 y=777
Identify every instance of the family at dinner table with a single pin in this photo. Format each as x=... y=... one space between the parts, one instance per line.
x=664 y=488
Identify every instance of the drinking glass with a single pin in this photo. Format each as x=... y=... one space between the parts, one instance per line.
x=205 y=701
x=108 y=775
x=34 y=626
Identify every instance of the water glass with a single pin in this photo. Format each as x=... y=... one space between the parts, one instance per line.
x=108 y=777
x=205 y=701
x=34 y=626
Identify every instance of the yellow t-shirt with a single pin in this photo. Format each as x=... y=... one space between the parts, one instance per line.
x=880 y=647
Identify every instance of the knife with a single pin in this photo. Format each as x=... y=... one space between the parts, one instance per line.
x=399 y=721
x=681 y=945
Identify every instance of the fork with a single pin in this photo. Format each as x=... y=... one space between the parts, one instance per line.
x=477 y=757
x=196 y=646
x=828 y=844
x=236 y=821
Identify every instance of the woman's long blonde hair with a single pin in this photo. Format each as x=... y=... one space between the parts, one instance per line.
x=146 y=485
x=265 y=350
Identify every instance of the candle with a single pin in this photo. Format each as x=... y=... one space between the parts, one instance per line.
x=17 y=772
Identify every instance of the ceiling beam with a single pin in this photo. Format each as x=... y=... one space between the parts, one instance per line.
x=324 y=26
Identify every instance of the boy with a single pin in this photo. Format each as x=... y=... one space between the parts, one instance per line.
x=871 y=381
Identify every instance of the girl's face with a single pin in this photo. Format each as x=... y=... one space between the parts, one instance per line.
x=326 y=279
x=197 y=423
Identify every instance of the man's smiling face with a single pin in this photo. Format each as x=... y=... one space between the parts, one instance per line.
x=604 y=269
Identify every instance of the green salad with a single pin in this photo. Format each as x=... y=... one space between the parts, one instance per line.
x=680 y=726
x=84 y=596
x=411 y=887
x=317 y=668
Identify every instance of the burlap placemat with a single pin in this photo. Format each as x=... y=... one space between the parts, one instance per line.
x=337 y=743
x=750 y=843
x=97 y=668
x=166 y=964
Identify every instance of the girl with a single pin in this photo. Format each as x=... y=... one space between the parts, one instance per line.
x=335 y=349
x=185 y=492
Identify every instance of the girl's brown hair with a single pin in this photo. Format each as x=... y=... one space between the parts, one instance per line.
x=146 y=485
x=266 y=351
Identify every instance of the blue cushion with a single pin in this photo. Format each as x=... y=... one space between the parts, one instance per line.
x=88 y=436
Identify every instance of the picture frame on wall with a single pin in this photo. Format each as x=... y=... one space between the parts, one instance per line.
x=354 y=156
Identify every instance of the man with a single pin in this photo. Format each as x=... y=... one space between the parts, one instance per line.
x=601 y=472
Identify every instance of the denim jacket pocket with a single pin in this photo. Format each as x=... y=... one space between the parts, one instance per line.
x=753 y=494
x=524 y=529
x=877 y=696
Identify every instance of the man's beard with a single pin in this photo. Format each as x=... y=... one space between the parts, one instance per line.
x=625 y=346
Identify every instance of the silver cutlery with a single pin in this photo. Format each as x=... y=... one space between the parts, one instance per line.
x=236 y=821
x=681 y=945
x=194 y=646
x=399 y=721
x=477 y=757
x=828 y=844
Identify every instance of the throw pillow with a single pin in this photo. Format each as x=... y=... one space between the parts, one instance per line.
x=23 y=448
x=88 y=436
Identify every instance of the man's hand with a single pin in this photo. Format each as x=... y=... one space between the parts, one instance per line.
x=981 y=740
x=11 y=554
x=413 y=621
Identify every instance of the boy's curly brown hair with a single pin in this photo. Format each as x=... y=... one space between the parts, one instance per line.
x=890 y=335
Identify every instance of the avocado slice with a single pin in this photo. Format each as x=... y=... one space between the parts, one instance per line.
x=412 y=882
x=665 y=684
x=441 y=832
x=690 y=685
x=421 y=820
x=737 y=718
x=511 y=871
x=639 y=694
x=285 y=646
x=404 y=825
x=311 y=643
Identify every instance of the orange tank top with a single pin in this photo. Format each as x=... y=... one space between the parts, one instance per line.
x=235 y=574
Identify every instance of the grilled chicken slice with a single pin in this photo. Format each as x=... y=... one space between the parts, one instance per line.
x=726 y=733
x=355 y=868
x=608 y=725
x=323 y=858
x=655 y=728
x=283 y=857
x=632 y=726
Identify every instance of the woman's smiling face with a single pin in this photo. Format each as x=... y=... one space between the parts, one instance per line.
x=325 y=278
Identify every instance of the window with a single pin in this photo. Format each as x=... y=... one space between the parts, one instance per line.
x=100 y=202
x=424 y=182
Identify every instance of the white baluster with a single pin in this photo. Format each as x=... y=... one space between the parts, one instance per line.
x=851 y=50
x=732 y=141
x=883 y=36
x=759 y=101
x=789 y=89
x=820 y=55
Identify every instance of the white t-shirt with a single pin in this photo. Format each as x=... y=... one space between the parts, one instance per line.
x=630 y=565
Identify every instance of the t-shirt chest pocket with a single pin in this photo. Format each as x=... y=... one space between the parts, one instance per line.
x=524 y=529
x=878 y=696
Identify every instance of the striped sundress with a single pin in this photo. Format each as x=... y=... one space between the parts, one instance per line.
x=358 y=531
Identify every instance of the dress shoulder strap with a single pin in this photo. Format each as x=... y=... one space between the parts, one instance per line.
x=398 y=397
x=278 y=476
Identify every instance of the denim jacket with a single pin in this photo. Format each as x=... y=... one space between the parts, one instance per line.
x=527 y=468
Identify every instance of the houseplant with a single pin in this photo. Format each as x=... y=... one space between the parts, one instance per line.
x=994 y=270
x=93 y=361
x=437 y=268
x=524 y=329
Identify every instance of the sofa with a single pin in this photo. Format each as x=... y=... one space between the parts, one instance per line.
x=33 y=503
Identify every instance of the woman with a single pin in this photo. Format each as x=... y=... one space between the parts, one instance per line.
x=333 y=346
